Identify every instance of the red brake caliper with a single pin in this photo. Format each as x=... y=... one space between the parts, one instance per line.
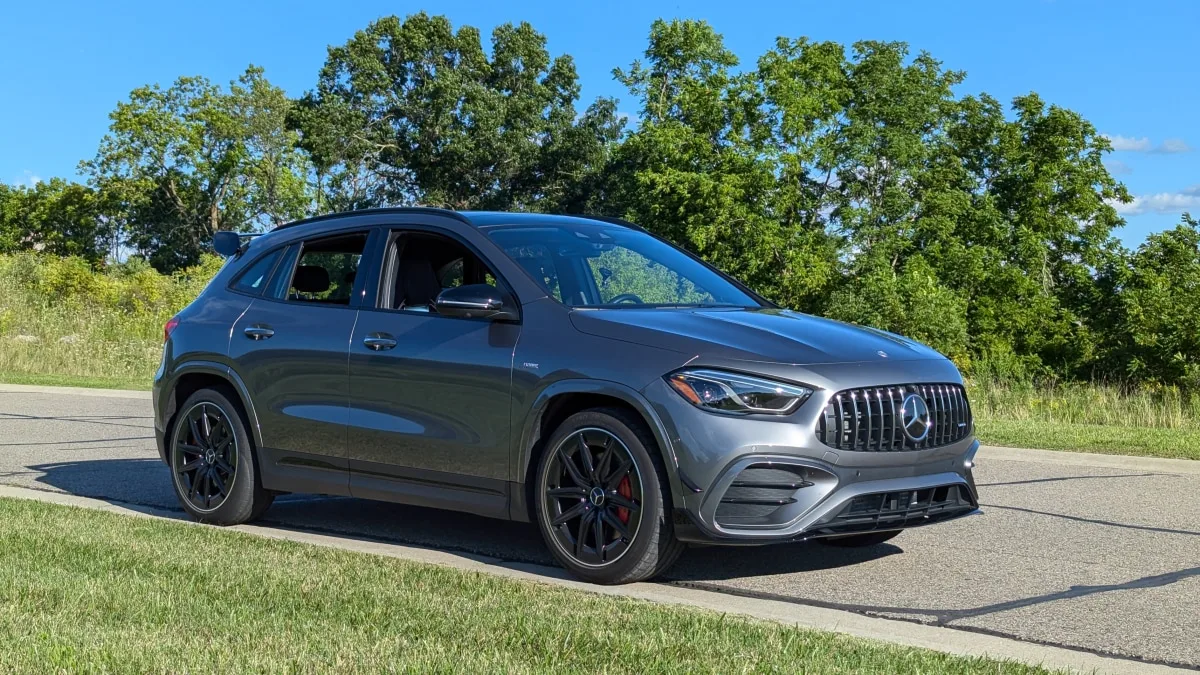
x=625 y=490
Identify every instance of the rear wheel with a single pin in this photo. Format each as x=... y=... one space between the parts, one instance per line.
x=602 y=499
x=212 y=462
x=859 y=540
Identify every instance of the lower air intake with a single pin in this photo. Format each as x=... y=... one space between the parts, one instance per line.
x=899 y=510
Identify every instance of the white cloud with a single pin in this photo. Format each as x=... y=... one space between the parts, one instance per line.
x=1173 y=145
x=28 y=179
x=1117 y=166
x=1131 y=144
x=1162 y=202
x=1143 y=144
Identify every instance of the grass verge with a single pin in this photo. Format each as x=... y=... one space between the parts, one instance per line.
x=85 y=590
x=91 y=381
x=1108 y=440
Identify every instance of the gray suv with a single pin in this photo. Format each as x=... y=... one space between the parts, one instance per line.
x=576 y=372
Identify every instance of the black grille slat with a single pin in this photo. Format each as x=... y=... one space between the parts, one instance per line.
x=850 y=419
x=898 y=510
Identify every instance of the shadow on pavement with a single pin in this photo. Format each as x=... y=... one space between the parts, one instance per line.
x=146 y=482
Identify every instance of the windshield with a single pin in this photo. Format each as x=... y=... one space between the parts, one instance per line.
x=602 y=265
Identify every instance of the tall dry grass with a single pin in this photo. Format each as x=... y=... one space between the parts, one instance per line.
x=59 y=316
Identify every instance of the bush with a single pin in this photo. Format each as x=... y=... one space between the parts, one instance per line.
x=61 y=316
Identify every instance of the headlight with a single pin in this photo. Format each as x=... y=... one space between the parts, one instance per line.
x=737 y=393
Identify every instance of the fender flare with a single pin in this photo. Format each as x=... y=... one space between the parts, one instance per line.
x=223 y=371
x=531 y=427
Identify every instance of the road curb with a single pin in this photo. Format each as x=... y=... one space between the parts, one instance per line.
x=1068 y=458
x=947 y=640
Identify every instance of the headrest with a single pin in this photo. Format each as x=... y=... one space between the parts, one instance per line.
x=311 y=279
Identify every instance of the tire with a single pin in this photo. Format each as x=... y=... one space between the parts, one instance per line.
x=648 y=545
x=860 y=540
x=225 y=458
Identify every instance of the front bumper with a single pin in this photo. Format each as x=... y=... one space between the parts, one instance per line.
x=820 y=508
x=759 y=480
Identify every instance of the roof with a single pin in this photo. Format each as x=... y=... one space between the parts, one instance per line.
x=498 y=218
x=480 y=219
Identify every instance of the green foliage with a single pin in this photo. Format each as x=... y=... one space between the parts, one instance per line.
x=844 y=180
x=913 y=303
x=61 y=316
x=183 y=162
x=55 y=217
x=1158 y=335
x=414 y=111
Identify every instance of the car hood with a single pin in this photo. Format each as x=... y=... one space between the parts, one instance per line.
x=775 y=335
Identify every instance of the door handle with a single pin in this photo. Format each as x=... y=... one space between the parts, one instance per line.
x=379 y=341
x=259 y=331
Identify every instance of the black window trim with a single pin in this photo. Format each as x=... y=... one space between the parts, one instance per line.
x=356 y=291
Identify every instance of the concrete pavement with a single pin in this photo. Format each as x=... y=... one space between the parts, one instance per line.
x=1098 y=554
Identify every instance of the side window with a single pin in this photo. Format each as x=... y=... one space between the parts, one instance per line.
x=326 y=269
x=254 y=278
x=536 y=260
x=423 y=265
x=277 y=289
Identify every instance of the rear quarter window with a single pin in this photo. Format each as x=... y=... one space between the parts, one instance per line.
x=254 y=278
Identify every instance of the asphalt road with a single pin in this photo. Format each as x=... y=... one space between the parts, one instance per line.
x=1085 y=557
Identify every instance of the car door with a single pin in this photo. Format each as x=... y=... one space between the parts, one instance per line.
x=290 y=349
x=429 y=394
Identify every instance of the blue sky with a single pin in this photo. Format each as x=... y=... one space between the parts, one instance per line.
x=1131 y=68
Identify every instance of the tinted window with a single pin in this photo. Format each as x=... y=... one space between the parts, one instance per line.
x=327 y=269
x=254 y=278
x=603 y=265
x=282 y=278
x=423 y=265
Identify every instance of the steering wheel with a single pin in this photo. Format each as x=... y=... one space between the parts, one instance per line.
x=625 y=297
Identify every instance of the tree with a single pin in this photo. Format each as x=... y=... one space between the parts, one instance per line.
x=183 y=162
x=413 y=111
x=697 y=170
x=56 y=217
x=1156 y=335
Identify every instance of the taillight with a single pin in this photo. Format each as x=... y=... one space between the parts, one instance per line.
x=169 y=326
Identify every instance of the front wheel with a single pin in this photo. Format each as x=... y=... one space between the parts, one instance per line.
x=602 y=500
x=212 y=462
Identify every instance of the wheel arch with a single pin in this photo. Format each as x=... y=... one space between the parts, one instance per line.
x=195 y=375
x=563 y=399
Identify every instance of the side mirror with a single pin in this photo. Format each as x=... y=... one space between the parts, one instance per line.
x=474 y=301
x=227 y=243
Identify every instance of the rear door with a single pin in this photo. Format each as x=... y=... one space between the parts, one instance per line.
x=290 y=348
x=429 y=394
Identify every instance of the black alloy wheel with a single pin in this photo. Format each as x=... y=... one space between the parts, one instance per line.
x=593 y=495
x=205 y=456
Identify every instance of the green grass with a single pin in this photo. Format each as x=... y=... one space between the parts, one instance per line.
x=1109 y=440
x=1089 y=418
x=84 y=590
x=91 y=381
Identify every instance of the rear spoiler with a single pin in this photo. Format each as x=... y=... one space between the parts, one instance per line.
x=229 y=243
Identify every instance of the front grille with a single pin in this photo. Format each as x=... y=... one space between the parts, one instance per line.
x=869 y=419
x=898 y=510
x=759 y=491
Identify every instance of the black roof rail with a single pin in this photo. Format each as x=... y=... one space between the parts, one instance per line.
x=385 y=209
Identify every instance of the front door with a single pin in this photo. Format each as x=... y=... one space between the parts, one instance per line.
x=429 y=394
